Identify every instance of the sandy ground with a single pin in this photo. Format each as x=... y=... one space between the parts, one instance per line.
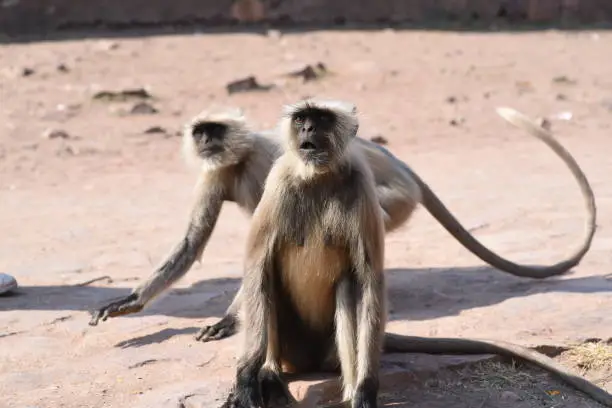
x=111 y=200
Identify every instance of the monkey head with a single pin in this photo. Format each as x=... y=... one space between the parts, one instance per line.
x=318 y=131
x=217 y=138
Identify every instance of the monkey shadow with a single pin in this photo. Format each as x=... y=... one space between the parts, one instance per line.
x=414 y=294
x=430 y=293
x=206 y=298
x=155 y=338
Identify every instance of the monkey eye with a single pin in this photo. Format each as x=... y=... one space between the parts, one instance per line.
x=198 y=130
x=298 y=119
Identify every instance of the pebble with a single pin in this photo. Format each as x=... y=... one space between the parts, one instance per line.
x=143 y=108
x=56 y=134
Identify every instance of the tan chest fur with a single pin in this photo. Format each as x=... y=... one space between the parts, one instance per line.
x=309 y=275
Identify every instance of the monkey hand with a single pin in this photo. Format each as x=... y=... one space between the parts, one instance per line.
x=127 y=305
x=223 y=328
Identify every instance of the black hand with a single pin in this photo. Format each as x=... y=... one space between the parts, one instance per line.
x=127 y=305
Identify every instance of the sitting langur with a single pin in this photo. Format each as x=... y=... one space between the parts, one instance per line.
x=314 y=293
x=235 y=162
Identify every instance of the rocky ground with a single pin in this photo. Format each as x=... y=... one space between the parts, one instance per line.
x=92 y=185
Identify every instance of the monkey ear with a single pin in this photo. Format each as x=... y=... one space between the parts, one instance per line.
x=355 y=130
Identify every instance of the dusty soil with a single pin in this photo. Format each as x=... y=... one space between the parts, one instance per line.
x=106 y=198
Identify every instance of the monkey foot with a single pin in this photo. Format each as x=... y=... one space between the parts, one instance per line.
x=233 y=401
x=274 y=390
x=127 y=305
x=225 y=327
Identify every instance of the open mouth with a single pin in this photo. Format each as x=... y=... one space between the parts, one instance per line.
x=308 y=146
x=210 y=150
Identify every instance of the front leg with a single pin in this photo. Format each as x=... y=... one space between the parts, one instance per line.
x=274 y=389
x=203 y=220
x=255 y=309
x=369 y=343
x=368 y=260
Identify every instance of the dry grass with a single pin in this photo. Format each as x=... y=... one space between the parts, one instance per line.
x=591 y=356
x=497 y=375
x=515 y=381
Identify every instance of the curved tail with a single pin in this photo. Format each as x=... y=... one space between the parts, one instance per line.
x=439 y=211
x=396 y=343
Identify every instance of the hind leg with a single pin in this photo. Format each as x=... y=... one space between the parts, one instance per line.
x=274 y=390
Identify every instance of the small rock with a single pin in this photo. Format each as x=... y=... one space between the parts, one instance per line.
x=105 y=45
x=122 y=96
x=562 y=79
x=310 y=72
x=379 y=139
x=544 y=123
x=561 y=97
x=63 y=68
x=155 y=130
x=246 y=85
x=457 y=122
x=55 y=134
x=143 y=108
x=451 y=99
x=509 y=396
x=26 y=72
x=67 y=151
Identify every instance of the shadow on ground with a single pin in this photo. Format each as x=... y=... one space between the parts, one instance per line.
x=414 y=294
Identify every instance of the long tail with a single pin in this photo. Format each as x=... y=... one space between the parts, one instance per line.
x=439 y=211
x=396 y=343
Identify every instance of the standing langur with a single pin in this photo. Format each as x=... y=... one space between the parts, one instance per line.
x=314 y=293
x=234 y=164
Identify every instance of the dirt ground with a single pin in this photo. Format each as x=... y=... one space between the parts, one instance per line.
x=106 y=198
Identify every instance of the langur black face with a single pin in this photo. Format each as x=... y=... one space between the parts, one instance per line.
x=315 y=132
x=209 y=138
